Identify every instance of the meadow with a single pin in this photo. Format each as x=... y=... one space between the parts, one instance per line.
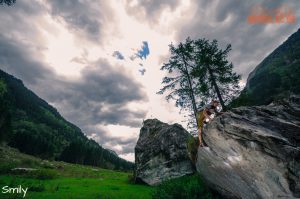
x=60 y=180
x=52 y=179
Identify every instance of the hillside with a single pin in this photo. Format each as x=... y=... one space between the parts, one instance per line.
x=56 y=179
x=275 y=77
x=31 y=125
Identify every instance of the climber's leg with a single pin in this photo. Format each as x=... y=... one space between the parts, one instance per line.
x=200 y=137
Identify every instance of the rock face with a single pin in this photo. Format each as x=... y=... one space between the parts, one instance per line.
x=254 y=152
x=161 y=152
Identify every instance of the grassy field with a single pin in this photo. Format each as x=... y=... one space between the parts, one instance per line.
x=51 y=179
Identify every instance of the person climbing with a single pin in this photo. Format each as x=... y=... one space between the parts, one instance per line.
x=204 y=115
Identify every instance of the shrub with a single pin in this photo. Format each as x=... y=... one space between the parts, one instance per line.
x=45 y=174
x=191 y=187
x=192 y=145
x=131 y=179
x=37 y=188
x=5 y=168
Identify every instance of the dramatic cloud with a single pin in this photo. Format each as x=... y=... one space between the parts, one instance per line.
x=87 y=18
x=151 y=10
x=17 y=59
x=120 y=145
x=100 y=96
x=226 y=21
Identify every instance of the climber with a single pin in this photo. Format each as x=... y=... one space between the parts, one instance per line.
x=203 y=116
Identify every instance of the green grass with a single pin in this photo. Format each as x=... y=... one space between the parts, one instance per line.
x=60 y=180
x=190 y=187
x=53 y=179
x=68 y=187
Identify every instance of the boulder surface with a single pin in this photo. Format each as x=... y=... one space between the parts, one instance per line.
x=253 y=152
x=161 y=152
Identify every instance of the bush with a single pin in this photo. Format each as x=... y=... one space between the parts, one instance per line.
x=131 y=179
x=192 y=145
x=45 y=174
x=191 y=187
x=37 y=188
x=5 y=168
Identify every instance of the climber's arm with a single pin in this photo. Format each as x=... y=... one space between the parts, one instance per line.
x=205 y=113
x=219 y=113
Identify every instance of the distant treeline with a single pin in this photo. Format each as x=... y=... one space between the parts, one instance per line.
x=31 y=125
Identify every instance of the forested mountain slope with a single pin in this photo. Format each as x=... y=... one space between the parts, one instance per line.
x=31 y=125
x=276 y=76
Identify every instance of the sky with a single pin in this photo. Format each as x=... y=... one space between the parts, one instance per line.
x=98 y=61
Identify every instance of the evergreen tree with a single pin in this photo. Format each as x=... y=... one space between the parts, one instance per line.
x=214 y=72
x=180 y=82
x=198 y=72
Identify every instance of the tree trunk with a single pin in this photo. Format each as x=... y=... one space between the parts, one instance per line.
x=212 y=77
x=192 y=96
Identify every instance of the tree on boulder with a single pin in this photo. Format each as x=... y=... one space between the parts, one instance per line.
x=214 y=72
x=181 y=82
x=199 y=72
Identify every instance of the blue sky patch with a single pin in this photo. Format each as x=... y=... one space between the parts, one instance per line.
x=144 y=51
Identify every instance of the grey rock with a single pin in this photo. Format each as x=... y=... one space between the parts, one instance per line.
x=254 y=152
x=161 y=152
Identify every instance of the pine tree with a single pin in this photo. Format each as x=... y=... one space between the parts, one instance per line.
x=198 y=72
x=180 y=81
x=214 y=72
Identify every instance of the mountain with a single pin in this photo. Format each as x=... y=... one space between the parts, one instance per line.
x=31 y=125
x=275 y=77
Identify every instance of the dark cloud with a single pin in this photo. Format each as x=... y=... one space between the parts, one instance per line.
x=84 y=17
x=118 y=55
x=20 y=39
x=226 y=21
x=105 y=139
x=100 y=96
x=16 y=58
x=142 y=71
x=150 y=10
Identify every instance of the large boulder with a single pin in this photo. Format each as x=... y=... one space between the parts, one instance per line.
x=161 y=152
x=254 y=152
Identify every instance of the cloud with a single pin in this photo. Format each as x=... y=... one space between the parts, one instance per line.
x=99 y=97
x=142 y=71
x=86 y=18
x=16 y=58
x=120 y=144
x=118 y=55
x=151 y=10
x=17 y=44
x=226 y=21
